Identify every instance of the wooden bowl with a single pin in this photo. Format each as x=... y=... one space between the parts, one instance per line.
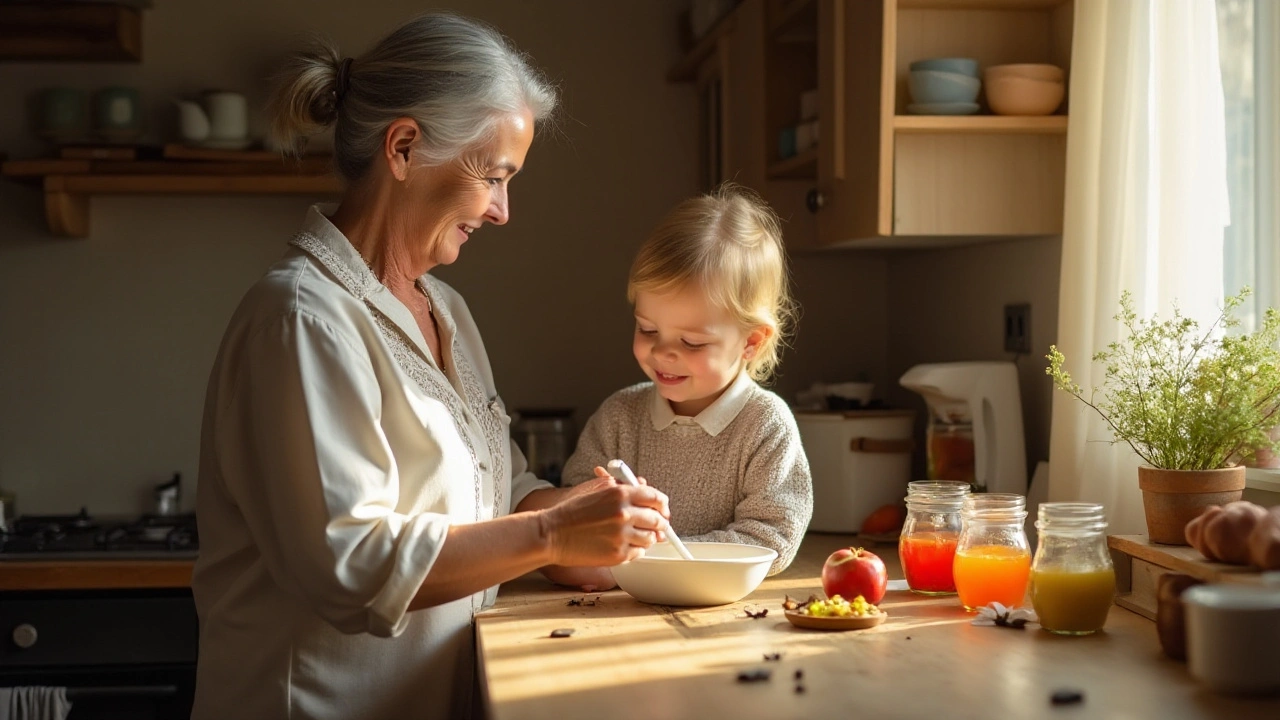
x=818 y=622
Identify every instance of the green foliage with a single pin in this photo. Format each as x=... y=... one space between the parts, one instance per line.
x=1181 y=399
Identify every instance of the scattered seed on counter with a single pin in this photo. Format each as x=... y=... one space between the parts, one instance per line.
x=585 y=601
x=799 y=674
x=561 y=632
x=755 y=614
x=799 y=689
x=772 y=657
x=908 y=637
x=1066 y=697
x=754 y=675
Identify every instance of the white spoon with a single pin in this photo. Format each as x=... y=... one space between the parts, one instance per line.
x=623 y=474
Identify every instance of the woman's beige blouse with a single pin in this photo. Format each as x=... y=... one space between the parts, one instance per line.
x=335 y=455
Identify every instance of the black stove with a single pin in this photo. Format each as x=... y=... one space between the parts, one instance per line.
x=85 y=537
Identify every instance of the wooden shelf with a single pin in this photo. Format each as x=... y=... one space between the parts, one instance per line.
x=68 y=184
x=980 y=4
x=797 y=167
x=75 y=32
x=686 y=70
x=1140 y=563
x=981 y=124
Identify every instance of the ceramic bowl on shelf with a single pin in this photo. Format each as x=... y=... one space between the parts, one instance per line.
x=942 y=108
x=1013 y=95
x=718 y=574
x=1035 y=71
x=964 y=66
x=938 y=86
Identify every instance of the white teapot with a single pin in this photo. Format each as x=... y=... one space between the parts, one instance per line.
x=220 y=118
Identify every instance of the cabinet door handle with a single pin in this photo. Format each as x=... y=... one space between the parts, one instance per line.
x=876 y=445
x=25 y=635
x=815 y=200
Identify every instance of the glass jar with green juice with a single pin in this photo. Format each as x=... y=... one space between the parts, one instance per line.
x=1072 y=578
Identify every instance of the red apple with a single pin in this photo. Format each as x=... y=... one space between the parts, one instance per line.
x=850 y=572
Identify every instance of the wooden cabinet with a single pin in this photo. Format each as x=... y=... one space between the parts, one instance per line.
x=728 y=69
x=77 y=32
x=879 y=177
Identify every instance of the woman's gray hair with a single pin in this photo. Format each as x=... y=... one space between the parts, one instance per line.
x=454 y=76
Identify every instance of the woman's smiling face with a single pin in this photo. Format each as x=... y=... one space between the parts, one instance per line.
x=469 y=191
x=690 y=348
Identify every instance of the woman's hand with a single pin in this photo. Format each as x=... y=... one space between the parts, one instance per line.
x=601 y=523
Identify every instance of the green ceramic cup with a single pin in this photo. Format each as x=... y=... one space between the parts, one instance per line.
x=62 y=114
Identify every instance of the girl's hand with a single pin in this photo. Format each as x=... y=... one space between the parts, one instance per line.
x=586 y=579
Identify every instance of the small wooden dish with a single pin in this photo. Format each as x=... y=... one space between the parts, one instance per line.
x=812 y=622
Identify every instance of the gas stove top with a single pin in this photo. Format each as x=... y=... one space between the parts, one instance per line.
x=85 y=537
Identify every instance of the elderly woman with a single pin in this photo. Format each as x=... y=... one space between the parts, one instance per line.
x=357 y=477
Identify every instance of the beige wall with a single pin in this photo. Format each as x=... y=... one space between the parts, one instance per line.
x=948 y=305
x=105 y=343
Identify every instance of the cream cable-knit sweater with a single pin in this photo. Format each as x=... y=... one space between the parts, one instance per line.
x=748 y=483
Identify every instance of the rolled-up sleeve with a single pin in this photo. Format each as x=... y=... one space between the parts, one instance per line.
x=306 y=461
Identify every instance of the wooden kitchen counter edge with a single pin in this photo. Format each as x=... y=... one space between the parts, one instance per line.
x=94 y=574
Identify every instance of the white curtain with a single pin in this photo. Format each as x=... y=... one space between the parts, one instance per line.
x=1145 y=207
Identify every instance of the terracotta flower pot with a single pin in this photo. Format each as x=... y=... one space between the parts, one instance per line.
x=1172 y=498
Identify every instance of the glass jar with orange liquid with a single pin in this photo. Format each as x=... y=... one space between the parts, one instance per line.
x=993 y=558
x=1072 y=578
x=927 y=545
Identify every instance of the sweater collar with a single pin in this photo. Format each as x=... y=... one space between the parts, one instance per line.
x=715 y=418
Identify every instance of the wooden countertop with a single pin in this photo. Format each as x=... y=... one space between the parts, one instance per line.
x=94 y=574
x=631 y=660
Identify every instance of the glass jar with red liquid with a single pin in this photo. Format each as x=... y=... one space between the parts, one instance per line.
x=927 y=545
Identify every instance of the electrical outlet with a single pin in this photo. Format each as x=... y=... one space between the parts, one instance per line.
x=1017 y=328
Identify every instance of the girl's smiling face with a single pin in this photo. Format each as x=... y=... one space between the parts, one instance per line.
x=690 y=348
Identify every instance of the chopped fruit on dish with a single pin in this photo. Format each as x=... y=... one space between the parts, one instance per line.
x=835 y=606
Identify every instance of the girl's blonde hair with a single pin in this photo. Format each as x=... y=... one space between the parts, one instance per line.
x=729 y=243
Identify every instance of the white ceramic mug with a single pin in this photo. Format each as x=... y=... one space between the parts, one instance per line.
x=228 y=115
x=1233 y=631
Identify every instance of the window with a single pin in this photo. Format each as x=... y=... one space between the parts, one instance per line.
x=1249 y=54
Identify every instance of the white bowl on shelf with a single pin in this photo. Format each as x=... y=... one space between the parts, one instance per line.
x=718 y=574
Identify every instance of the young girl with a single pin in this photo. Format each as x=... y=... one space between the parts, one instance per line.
x=709 y=288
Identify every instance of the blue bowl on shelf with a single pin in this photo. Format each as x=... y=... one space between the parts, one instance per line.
x=964 y=66
x=937 y=86
x=942 y=108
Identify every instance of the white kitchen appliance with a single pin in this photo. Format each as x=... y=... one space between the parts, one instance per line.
x=860 y=461
x=975 y=423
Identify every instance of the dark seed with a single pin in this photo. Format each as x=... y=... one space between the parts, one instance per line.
x=799 y=689
x=756 y=675
x=799 y=674
x=772 y=657
x=1066 y=697
x=908 y=637
x=561 y=632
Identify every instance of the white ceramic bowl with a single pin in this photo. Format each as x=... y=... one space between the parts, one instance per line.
x=1233 y=631
x=719 y=574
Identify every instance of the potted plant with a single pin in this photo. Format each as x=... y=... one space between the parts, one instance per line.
x=1191 y=404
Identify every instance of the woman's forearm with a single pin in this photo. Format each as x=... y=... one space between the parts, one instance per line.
x=480 y=555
